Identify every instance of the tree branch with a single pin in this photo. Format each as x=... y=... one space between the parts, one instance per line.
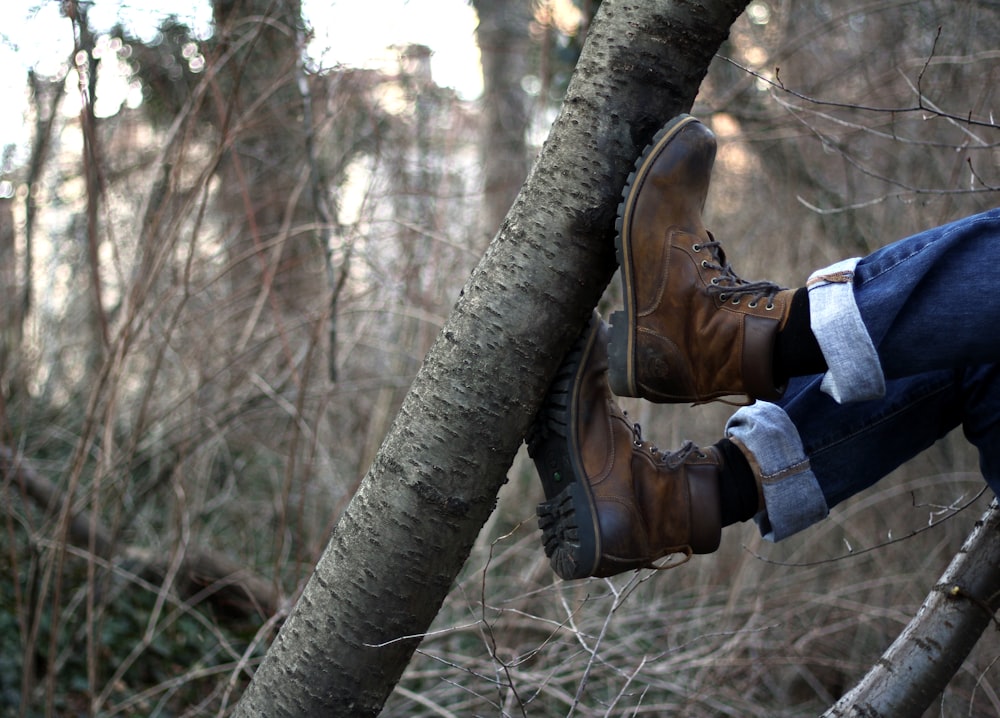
x=925 y=656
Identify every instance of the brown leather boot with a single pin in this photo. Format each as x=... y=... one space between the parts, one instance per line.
x=614 y=502
x=691 y=331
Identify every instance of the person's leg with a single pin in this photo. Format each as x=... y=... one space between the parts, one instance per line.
x=614 y=502
x=692 y=330
x=810 y=453
x=913 y=306
x=981 y=417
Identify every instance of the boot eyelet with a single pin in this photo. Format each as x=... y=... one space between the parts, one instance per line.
x=715 y=281
x=723 y=297
x=769 y=307
x=704 y=264
x=736 y=301
x=695 y=247
x=752 y=305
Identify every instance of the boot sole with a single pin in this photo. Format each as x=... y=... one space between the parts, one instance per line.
x=621 y=341
x=568 y=516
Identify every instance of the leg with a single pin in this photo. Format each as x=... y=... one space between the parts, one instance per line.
x=615 y=503
x=692 y=330
x=810 y=453
x=911 y=307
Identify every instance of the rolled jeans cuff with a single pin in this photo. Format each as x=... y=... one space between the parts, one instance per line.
x=793 y=499
x=854 y=372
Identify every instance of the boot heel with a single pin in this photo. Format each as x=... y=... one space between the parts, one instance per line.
x=570 y=546
x=621 y=375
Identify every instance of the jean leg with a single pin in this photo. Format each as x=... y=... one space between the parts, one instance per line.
x=852 y=446
x=918 y=305
x=915 y=312
x=981 y=418
x=927 y=301
x=812 y=452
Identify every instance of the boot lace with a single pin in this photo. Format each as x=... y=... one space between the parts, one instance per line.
x=729 y=286
x=671 y=459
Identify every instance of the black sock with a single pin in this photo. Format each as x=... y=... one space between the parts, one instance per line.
x=737 y=485
x=796 y=351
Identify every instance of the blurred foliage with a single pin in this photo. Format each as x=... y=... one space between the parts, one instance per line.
x=173 y=653
x=168 y=66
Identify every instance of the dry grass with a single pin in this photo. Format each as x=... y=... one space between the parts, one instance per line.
x=756 y=629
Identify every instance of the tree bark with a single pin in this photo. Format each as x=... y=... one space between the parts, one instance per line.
x=395 y=552
x=922 y=660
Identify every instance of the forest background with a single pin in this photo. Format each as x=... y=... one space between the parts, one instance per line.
x=214 y=300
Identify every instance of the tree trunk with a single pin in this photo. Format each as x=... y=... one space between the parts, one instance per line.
x=11 y=315
x=922 y=660
x=92 y=174
x=269 y=188
x=504 y=45
x=395 y=552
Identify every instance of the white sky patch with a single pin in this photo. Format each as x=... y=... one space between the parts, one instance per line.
x=353 y=33
x=361 y=34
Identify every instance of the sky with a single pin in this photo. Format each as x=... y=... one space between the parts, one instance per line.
x=355 y=33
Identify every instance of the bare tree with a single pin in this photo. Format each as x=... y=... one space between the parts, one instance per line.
x=12 y=318
x=178 y=481
x=258 y=111
x=409 y=528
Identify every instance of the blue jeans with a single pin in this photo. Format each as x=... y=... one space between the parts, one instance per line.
x=913 y=352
